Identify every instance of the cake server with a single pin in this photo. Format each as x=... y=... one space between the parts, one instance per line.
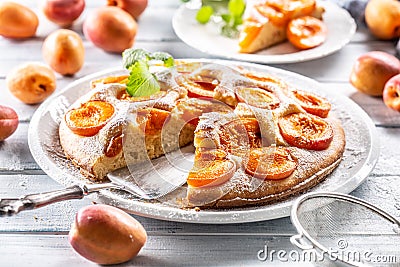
x=123 y=179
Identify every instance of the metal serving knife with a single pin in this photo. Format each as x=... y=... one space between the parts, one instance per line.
x=151 y=180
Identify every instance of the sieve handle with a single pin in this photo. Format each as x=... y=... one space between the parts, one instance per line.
x=296 y=240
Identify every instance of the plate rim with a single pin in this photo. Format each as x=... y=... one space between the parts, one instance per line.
x=249 y=214
x=272 y=59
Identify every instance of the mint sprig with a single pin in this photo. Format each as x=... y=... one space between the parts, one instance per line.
x=231 y=19
x=141 y=82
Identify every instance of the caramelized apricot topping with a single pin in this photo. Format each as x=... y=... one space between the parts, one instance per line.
x=151 y=120
x=280 y=12
x=306 y=32
x=250 y=31
x=265 y=78
x=257 y=97
x=89 y=118
x=271 y=163
x=198 y=86
x=210 y=154
x=293 y=8
x=207 y=173
x=312 y=103
x=274 y=13
x=239 y=135
x=306 y=131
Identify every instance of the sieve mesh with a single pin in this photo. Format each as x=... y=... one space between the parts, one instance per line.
x=348 y=229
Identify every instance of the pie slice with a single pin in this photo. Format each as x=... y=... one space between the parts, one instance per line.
x=265 y=21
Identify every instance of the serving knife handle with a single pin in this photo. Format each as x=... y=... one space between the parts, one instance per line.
x=11 y=206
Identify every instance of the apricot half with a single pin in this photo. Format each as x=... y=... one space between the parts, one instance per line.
x=306 y=131
x=151 y=120
x=89 y=118
x=271 y=163
x=257 y=97
x=306 y=32
x=210 y=173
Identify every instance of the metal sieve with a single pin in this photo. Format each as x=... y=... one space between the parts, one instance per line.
x=344 y=230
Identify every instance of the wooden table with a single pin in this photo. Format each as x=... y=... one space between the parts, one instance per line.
x=39 y=237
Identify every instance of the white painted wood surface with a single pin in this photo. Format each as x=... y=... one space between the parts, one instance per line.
x=39 y=237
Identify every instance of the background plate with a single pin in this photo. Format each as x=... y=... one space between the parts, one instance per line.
x=361 y=154
x=207 y=39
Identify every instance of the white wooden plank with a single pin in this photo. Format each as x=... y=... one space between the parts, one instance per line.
x=159 y=251
x=15 y=155
x=388 y=162
x=49 y=250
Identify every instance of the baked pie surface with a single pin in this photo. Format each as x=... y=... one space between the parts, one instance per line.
x=177 y=116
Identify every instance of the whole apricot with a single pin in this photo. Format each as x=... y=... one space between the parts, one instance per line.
x=31 y=83
x=106 y=235
x=63 y=50
x=8 y=122
x=372 y=70
x=63 y=12
x=383 y=18
x=111 y=29
x=17 y=21
x=133 y=7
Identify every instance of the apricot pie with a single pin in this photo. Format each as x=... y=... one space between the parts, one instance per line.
x=269 y=22
x=258 y=139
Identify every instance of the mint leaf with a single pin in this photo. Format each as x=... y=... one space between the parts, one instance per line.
x=141 y=81
x=164 y=57
x=131 y=56
x=204 y=14
x=226 y=17
x=231 y=15
x=236 y=7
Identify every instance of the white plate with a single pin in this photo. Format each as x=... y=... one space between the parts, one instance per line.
x=361 y=154
x=207 y=39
